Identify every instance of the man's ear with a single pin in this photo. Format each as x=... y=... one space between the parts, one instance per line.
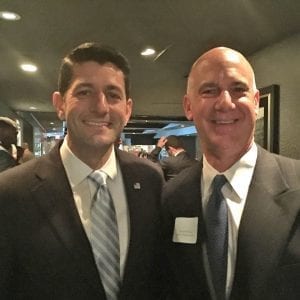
x=59 y=105
x=256 y=102
x=187 y=108
x=129 y=105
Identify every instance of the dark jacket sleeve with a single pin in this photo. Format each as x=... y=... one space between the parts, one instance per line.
x=153 y=156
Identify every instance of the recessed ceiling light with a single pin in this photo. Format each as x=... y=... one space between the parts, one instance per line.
x=51 y=123
x=9 y=16
x=148 y=51
x=32 y=107
x=29 y=68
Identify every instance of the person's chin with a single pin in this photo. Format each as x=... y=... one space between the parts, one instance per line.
x=104 y=140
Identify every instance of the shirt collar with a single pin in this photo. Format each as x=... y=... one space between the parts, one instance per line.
x=178 y=152
x=110 y=167
x=77 y=170
x=243 y=168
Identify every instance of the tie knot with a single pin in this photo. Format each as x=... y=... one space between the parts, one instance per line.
x=218 y=182
x=98 y=177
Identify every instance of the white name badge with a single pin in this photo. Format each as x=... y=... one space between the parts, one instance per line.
x=185 y=230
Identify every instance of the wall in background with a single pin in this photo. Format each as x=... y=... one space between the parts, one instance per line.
x=280 y=64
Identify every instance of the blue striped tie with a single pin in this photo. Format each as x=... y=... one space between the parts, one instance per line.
x=217 y=237
x=105 y=237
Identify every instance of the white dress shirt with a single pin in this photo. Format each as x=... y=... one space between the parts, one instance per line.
x=84 y=190
x=235 y=192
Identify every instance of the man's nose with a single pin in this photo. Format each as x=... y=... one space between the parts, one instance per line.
x=101 y=102
x=224 y=101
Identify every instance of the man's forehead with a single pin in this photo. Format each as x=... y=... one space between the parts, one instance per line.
x=217 y=64
x=217 y=71
x=92 y=70
x=91 y=64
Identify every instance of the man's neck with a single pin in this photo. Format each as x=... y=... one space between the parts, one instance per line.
x=223 y=158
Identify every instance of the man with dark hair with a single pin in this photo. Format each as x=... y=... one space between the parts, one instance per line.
x=90 y=52
x=83 y=222
x=8 y=140
x=178 y=159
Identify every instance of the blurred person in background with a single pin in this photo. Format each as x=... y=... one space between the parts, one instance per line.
x=178 y=159
x=8 y=141
x=27 y=154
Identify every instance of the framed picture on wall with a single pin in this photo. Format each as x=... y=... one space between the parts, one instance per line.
x=267 y=124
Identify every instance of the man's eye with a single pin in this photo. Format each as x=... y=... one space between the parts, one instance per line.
x=83 y=93
x=113 y=95
x=210 y=92
x=239 y=90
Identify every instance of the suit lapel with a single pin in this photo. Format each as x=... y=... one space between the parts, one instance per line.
x=134 y=195
x=193 y=205
x=187 y=204
x=266 y=222
x=143 y=218
x=54 y=197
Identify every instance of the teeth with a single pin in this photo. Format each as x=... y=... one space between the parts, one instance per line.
x=94 y=123
x=224 y=121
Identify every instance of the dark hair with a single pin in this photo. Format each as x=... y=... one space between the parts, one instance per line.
x=174 y=142
x=8 y=133
x=92 y=52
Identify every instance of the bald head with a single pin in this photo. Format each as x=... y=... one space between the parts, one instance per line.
x=223 y=102
x=222 y=57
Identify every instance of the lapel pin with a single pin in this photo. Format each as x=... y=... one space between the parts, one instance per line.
x=137 y=186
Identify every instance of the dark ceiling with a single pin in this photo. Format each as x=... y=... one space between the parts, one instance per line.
x=180 y=30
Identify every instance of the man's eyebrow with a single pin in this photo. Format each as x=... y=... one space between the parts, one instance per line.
x=240 y=83
x=83 y=84
x=113 y=87
x=207 y=85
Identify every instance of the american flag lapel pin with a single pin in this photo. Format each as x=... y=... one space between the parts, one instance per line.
x=137 y=186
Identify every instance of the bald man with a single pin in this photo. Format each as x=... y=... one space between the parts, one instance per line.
x=261 y=194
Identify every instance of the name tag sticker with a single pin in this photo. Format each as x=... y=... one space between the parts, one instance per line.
x=185 y=230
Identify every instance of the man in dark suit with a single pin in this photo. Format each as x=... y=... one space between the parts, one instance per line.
x=46 y=205
x=178 y=159
x=8 y=140
x=260 y=197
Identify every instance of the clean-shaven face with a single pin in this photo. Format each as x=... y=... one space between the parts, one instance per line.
x=222 y=100
x=95 y=106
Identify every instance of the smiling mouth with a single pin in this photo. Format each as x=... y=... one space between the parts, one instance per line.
x=225 y=122
x=97 y=123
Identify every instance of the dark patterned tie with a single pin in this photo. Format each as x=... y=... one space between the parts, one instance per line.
x=217 y=236
x=105 y=237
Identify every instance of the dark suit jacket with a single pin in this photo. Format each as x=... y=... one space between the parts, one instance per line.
x=172 y=165
x=268 y=254
x=6 y=161
x=45 y=253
